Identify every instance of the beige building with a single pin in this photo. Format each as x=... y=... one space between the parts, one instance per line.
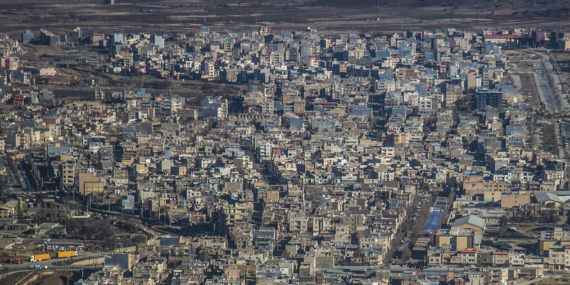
x=497 y=275
x=298 y=223
x=239 y=213
x=2 y=145
x=553 y=238
x=458 y=240
x=67 y=174
x=473 y=188
x=559 y=258
x=9 y=209
x=452 y=94
x=514 y=199
x=90 y=183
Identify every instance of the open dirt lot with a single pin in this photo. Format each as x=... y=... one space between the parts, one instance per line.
x=238 y=15
x=525 y=71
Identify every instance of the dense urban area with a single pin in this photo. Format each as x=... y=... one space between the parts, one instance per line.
x=285 y=157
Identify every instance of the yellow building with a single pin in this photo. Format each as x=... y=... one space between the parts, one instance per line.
x=458 y=240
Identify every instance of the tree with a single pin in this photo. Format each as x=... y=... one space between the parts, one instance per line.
x=407 y=253
x=451 y=196
x=503 y=226
x=109 y=243
x=140 y=239
x=103 y=230
x=72 y=226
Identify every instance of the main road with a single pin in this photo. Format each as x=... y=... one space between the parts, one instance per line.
x=548 y=83
x=544 y=90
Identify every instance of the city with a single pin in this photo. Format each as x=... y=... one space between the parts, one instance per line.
x=285 y=157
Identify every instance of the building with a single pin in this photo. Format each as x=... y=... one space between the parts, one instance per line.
x=27 y=36
x=214 y=107
x=67 y=174
x=472 y=222
x=158 y=41
x=121 y=261
x=489 y=98
x=564 y=44
x=89 y=183
x=9 y=209
x=10 y=63
x=50 y=71
x=514 y=199
x=49 y=38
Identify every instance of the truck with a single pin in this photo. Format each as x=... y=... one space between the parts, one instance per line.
x=16 y=260
x=39 y=257
x=66 y=254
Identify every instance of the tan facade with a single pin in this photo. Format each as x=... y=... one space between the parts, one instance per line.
x=68 y=174
x=514 y=199
x=473 y=188
x=90 y=183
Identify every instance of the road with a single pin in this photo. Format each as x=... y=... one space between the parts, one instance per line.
x=11 y=179
x=555 y=79
x=548 y=83
x=29 y=265
x=546 y=95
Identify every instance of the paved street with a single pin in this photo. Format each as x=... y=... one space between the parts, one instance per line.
x=546 y=94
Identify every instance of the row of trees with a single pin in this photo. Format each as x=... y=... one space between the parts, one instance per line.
x=102 y=231
x=99 y=230
x=527 y=216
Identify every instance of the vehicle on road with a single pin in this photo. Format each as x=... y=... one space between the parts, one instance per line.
x=16 y=260
x=53 y=255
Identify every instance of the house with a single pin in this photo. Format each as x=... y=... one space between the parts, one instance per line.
x=477 y=224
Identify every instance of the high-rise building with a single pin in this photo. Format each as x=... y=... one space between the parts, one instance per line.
x=492 y=98
x=157 y=40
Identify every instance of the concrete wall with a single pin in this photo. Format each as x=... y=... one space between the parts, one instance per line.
x=87 y=262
